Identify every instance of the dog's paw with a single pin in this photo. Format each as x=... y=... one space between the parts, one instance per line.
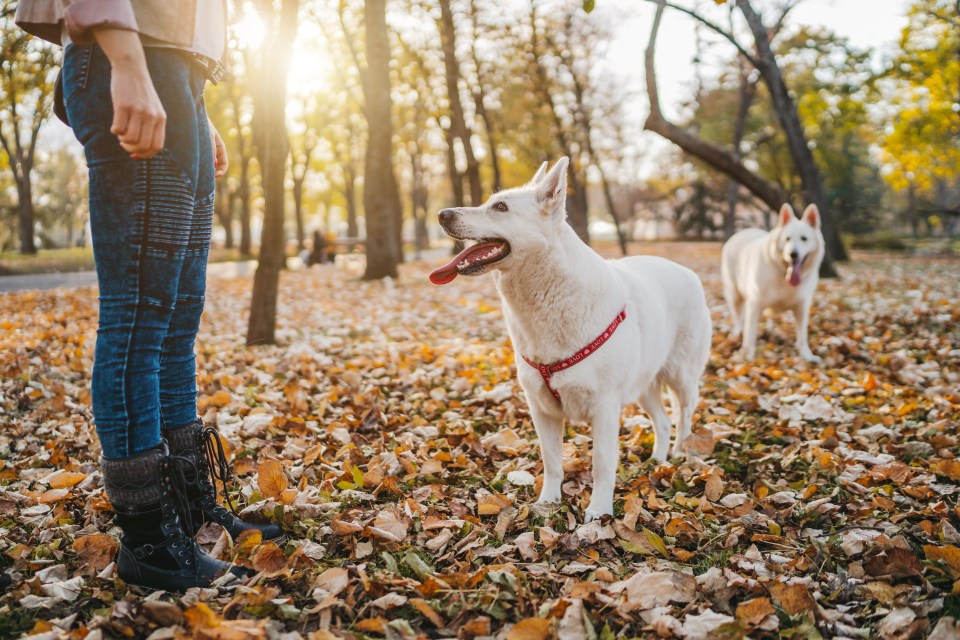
x=810 y=357
x=592 y=514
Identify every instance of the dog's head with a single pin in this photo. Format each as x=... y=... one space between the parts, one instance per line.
x=507 y=225
x=799 y=242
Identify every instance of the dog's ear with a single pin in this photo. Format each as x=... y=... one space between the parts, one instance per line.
x=811 y=215
x=551 y=190
x=538 y=176
x=786 y=214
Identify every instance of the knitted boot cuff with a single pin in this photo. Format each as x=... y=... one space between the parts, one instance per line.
x=132 y=483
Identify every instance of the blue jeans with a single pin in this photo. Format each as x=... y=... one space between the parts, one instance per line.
x=151 y=221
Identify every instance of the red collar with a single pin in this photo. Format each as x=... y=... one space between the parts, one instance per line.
x=547 y=370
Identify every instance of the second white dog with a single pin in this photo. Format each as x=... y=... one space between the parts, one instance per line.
x=778 y=270
x=590 y=335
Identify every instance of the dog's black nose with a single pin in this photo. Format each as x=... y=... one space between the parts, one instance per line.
x=794 y=255
x=446 y=215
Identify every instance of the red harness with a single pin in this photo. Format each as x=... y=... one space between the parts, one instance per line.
x=547 y=370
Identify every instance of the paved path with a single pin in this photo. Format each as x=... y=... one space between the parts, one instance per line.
x=216 y=270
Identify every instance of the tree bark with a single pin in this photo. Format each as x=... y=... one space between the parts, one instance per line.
x=458 y=123
x=381 y=197
x=786 y=109
x=270 y=103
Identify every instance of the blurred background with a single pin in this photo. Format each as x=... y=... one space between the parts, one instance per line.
x=374 y=115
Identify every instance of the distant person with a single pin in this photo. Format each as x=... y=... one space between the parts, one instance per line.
x=318 y=253
x=129 y=68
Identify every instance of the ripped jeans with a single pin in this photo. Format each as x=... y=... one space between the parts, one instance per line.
x=151 y=221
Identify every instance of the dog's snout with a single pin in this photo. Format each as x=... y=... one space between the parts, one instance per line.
x=794 y=254
x=446 y=216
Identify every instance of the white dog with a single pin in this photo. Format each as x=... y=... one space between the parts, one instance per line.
x=777 y=270
x=590 y=335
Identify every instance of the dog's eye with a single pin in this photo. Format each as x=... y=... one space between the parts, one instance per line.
x=501 y=206
x=803 y=238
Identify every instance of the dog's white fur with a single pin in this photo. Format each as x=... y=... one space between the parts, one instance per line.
x=754 y=269
x=558 y=296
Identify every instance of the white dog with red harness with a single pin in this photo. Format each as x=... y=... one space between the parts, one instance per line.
x=591 y=335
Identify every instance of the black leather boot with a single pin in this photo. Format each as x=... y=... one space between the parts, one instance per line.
x=208 y=464
x=157 y=550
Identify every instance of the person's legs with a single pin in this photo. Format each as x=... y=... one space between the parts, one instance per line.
x=141 y=214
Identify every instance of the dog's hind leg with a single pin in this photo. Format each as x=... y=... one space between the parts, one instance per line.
x=751 y=327
x=652 y=403
x=550 y=433
x=734 y=304
x=606 y=457
x=684 y=395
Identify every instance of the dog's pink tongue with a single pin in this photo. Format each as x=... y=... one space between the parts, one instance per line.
x=448 y=272
x=793 y=274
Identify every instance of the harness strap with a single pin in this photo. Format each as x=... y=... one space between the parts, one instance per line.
x=547 y=370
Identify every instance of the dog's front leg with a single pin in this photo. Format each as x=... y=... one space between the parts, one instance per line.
x=606 y=456
x=550 y=433
x=801 y=316
x=751 y=322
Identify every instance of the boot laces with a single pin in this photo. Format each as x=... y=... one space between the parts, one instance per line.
x=171 y=468
x=217 y=463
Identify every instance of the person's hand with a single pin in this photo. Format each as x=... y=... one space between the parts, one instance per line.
x=139 y=120
x=220 y=161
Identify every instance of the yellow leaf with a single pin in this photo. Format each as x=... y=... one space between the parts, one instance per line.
x=200 y=616
x=271 y=479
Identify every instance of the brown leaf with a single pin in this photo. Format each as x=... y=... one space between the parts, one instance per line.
x=271 y=479
x=96 y=550
x=792 y=598
x=894 y=562
x=372 y=625
x=755 y=611
x=949 y=468
x=531 y=629
x=479 y=626
x=269 y=558
x=333 y=580
x=699 y=443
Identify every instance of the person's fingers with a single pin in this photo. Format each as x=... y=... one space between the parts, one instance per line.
x=223 y=161
x=130 y=139
x=121 y=118
x=159 y=136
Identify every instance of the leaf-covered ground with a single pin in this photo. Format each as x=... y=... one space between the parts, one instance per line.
x=386 y=431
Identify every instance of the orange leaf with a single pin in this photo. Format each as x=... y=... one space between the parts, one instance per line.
x=740 y=390
x=53 y=495
x=97 y=550
x=200 y=616
x=949 y=468
x=65 y=479
x=429 y=612
x=269 y=558
x=531 y=629
x=753 y=612
x=949 y=554
x=372 y=625
x=792 y=598
x=271 y=479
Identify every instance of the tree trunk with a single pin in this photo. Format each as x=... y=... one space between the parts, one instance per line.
x=243 y=192
x=350 y=198
x=381 y=198
x=26 y=217
x=748 y=90
x=298 y=213
x=458 y=124
x=786 y=110
x=576 y=203
x=479 y=98
x=270 y=103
